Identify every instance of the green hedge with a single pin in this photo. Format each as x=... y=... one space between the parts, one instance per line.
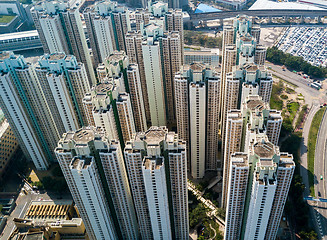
x=295 y=63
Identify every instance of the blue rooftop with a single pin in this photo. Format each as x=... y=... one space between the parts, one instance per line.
x=204 y=8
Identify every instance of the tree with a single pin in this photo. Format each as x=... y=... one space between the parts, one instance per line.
x=198 y=214
x=308 y=235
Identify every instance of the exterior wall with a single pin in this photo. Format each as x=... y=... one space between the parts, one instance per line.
x=105 y=119
x=104 y=32
x=114 y=169
x=154 y=82
x=88 y=185
x=136 y=95
x=213 y=85
x=15 y=113
x=157 y=196
x=237 y=186
x=63 y=102
x=284 y=178
x=274 y=126
x=198 y=104
x=125 y=114
x=8 y=145
x=262 y=197
x=171 y=63
x=135 y=55
x=133 y=161
x=178 y=180
x=232 y=145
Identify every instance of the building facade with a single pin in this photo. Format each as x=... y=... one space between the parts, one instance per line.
x=60 y=29
x=159 y=155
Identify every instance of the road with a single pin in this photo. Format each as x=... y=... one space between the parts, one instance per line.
x=320 y=209
x=310 y=94
x=314 y=99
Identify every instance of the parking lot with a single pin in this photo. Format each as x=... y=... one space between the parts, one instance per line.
x=307 y=42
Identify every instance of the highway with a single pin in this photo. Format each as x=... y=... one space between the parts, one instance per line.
x=257 y=13
x=320 y=169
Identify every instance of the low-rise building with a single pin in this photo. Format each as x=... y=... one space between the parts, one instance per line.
x=50 y=220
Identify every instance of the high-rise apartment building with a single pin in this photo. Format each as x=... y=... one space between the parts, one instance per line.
x=110 y=109
x=197 y=102
x=156 y=162
x=135 y=91
x=242 y=73
x=159 y=40
x=154 y=80
x=258 y=175
x=108 y=168
x=25 y=107
x=134 y=51
x=157 y=196
x=117 y=70
x=88 y=185
x=107 y=24
x=64 y=82
x=60 y=30
x=234 y=139
x=257 y=112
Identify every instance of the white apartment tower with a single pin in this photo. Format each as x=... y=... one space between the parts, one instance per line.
x=259 y=177
x=197 y=113
x=135 y=54
x=238 y=182
x=157 y=196
x=111 y=176
x=60 y=29
x=23 y=102
x=85 y=175
x=154 y=77
x=241 y=51
x=135 y=90
x=197 y=100
x=257 y=112
x=64 y=82
x=157 y=167
x=104 y=103
x=233 y=145
x=107 y=24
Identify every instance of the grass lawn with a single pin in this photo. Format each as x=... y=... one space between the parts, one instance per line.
x=314 y=128
x=275 y=101
x=6 y=18
x=292 y=108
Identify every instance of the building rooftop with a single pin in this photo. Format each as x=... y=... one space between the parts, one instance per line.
x=83 y=135
x=79 y=163
x=154 y=135
x=104 y=87
x=56 y=56
x=264 y=149
x=49 y=209
x=275 y=5
x=16 y=35
x=153 y=162
x=4 y=55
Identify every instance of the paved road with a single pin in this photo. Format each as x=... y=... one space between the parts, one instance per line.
x=314 y=99
x=310 y=94
x=320 y=209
